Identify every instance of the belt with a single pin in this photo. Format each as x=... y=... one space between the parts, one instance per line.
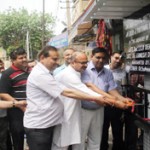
x=87 y=108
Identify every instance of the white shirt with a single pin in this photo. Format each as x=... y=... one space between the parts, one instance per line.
x=70 y=131
x=119 y=75
x=44 y=107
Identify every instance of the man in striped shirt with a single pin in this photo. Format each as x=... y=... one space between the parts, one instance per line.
x=13 y=88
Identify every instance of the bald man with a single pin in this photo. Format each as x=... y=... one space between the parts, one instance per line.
x=69 y=132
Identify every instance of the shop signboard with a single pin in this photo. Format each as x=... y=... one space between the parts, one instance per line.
x=59 y=41
x=137 y=45
x=137 y=48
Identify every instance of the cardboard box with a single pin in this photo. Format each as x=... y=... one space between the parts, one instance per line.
x=84 y=28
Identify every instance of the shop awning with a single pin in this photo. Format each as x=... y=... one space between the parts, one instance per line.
x=108 y=9
x=115 y=9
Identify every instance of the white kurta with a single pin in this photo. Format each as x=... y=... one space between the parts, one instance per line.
x=69 y=132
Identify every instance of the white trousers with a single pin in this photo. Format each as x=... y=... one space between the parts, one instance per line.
x=55 y=147
x=91 y=128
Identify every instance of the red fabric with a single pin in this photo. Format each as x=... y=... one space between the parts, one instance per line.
x=104 y=38
x=23 y=82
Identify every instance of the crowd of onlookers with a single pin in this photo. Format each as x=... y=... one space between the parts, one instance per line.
x=68 y=106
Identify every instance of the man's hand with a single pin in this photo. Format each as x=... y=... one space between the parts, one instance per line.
x=129 y=102
x=125 y=100
x=21 y=105
x=102 y=100
x=120 y=104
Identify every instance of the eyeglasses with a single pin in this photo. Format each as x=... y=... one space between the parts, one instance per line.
x=82 y=63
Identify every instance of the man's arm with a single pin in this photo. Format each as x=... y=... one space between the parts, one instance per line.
x=115 y=93
x=8 y=97
x=112 y=99
x=97 y=90
x=76 y=94
x=10 y=104
x=98 y=99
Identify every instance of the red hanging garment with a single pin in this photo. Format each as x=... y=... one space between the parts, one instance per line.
x=104 y=38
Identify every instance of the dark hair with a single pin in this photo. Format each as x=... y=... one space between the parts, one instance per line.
x=122 y=54
x=45 y=51
x=19 y=51
x=118 y=52
x=99 y=50
x=1 y=61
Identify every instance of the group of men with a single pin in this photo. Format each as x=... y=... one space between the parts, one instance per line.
x=55 y=118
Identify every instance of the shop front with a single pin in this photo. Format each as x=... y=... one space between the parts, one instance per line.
x=124 y=26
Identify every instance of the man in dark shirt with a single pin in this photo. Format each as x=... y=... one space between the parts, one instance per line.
x=3 y=119
x=13 y=88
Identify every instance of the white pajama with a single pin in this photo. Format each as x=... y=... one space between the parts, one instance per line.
x=91 y=128
x=69 y=132
x=55 y=147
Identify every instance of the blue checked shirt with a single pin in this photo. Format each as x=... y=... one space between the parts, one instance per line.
x=103 y=80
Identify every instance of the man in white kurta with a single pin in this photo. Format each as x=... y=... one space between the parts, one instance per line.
x=69 y=132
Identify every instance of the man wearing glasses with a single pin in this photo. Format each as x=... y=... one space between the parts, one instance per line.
x=69 y=132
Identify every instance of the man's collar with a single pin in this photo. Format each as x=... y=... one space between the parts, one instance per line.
x=73 y=70
x=17 y=69
x=43 y=67
x=114 y=69
x=92 y=66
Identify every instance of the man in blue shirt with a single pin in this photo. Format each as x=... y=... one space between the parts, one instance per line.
x=92 y=114
x=66 y=55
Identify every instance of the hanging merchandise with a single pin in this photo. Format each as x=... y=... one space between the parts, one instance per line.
x=104 y=38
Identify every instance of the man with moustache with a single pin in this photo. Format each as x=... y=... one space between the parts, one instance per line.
x=92 y=115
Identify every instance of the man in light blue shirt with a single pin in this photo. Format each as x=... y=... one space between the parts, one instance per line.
x=67 y=54
x=103 y=79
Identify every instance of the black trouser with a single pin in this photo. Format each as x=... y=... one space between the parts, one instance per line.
x=15 y=117
x=39 y=139
x=130 y=132
x=9 y=143
x=112 y=116
x=3 y=133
